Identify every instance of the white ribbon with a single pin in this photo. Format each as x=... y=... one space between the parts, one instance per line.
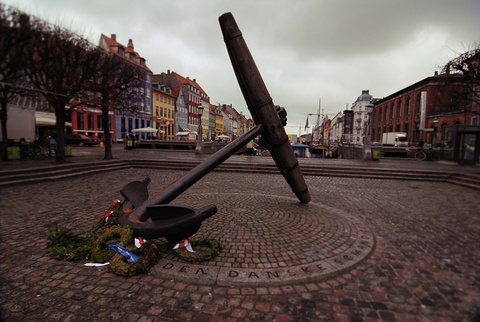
x=96 y=264
x=186 y=243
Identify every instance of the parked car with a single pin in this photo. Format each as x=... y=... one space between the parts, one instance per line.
x=81 y=140
x=377 y=144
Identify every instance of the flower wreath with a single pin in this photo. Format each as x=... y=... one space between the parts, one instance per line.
x=214 y=249
x=148 y=253
x=100 y=252
x=65 y=245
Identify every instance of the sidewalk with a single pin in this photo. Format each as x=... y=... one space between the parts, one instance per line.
x=96 y=153
x=362 y=250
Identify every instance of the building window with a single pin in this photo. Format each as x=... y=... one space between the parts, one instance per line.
x=99 y=123
x=90 y=122
x=399 y=109
x=418 y=103
x=80 y=125
x=407 y=106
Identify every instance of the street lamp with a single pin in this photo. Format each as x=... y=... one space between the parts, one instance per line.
x=198 y=149
x=367 y=147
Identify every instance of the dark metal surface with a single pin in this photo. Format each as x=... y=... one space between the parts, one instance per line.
x=151 y=218
x=262 y=108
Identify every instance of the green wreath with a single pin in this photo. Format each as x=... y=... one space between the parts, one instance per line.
x=148 y=254
x=65 y=245
x=214 y=249
x=100 y=252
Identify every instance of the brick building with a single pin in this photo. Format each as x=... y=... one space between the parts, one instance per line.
x=422 y=109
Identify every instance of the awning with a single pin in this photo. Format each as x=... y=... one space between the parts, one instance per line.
x=145 y=130
x=47 y=119
x=299 y=145
x=90 y=131
x=183 y=133
x=320 y=147
x=223 y=136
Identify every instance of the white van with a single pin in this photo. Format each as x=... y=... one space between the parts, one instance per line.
x=401 y=141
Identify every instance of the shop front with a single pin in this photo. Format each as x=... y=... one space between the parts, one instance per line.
x=461 y=143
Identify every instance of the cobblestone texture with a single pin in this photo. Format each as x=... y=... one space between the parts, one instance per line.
x=424 y=267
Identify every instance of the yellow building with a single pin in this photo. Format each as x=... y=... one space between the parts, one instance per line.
x=218 y=123
x=163 y=112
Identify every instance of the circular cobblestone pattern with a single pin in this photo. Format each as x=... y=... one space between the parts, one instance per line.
x=279 y=244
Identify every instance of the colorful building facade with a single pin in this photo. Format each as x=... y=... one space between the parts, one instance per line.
x=163 y=112
x=125 y=122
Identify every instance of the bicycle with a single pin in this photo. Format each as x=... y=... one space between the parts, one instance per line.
x=429 y=154
x=35 y=150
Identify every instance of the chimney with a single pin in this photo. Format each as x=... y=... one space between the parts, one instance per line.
x=194 y=80
x=114 y=37
x=436 y=73
x=130 y=44
x=168 y=71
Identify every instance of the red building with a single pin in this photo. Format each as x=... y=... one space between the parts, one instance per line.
x=422 y=109
x=88 y=120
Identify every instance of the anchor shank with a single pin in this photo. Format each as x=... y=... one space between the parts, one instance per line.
x=262 y=108
x=174 y=190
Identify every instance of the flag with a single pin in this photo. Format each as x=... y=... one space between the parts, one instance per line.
x=306 y=124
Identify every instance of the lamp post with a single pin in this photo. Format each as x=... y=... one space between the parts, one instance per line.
x=368 y=137
x=198 y=148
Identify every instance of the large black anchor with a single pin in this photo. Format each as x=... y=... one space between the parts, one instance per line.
x=153 y=217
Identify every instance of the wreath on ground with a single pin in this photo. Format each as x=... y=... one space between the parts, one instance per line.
x=148 y=254
x=100 y=252
x=214 y=248
x=65 y=245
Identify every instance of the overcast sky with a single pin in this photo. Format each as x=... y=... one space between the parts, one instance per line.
x=304 y=49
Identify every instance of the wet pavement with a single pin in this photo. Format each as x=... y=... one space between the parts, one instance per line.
x=362 y=250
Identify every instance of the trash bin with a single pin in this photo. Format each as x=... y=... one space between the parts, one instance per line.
x=129 y=143
x=375 y=154
x=13 y=153
x=68 y=151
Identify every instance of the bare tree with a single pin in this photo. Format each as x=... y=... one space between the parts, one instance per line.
x=114 y=84
x=15 y=35
x=63 y=64
x=467 y=67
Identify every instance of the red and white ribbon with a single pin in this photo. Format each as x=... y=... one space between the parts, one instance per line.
x=187 y=244
x=139 y=242
x=106 y=216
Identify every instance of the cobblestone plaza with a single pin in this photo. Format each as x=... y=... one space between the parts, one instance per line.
x=281 y=260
